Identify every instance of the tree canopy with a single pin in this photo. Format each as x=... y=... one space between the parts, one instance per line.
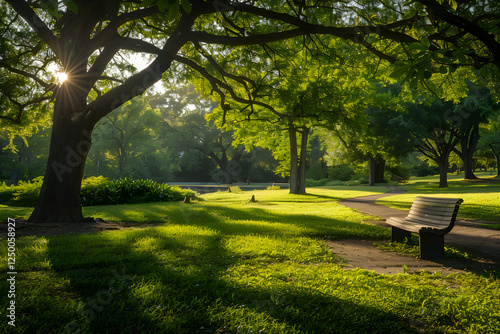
x=89 y=41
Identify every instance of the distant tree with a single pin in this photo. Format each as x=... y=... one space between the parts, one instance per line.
x=489 y=144
x=472 y=111
x=433 y=132
x=24 y=158
x=127 y=132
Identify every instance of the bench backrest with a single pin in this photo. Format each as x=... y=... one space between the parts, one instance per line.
x=434 y=211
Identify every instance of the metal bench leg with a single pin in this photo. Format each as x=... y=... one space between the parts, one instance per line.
x=399 y=235
x=431 y=246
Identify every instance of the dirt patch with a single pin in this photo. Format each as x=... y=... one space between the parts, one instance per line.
x=364 y=254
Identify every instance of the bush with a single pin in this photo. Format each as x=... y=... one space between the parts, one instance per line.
x=400 y=174
x=317 y=171
x=335 y=183
x=341 y=172
x=99 y=191
x=26 y=192
x=315 y=183
x=235 y=189
x=6 y=193
x=273 y=187
x=125 y=191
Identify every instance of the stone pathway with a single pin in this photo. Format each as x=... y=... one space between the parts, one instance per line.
x=480 y=242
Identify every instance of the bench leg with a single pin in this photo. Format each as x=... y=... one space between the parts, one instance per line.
x=399 y=235
x=431 y=246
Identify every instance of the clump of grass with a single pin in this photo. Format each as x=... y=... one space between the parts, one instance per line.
x=273 y=187
x=234 y=189
x=411 y=248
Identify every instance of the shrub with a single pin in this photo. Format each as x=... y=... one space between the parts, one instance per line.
x=334 y=183
x=235 y=189
x=400 y=174
x=315 y=183
x=124 y=191
x=317 y=171
x=273 y=187
x=26 y=192
x=341 y=172
x=99 y=191
x=6 y=193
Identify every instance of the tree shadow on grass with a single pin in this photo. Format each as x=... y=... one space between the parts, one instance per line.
x=175 y=287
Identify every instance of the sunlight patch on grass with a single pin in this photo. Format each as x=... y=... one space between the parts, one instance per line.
x=14 y=212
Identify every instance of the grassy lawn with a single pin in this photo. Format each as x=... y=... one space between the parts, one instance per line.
x=224 y=265
x=481 y=200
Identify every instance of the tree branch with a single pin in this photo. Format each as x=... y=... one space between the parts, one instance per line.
x=460 y=22
x=216 y=83
x=28 y=75
x=29 y=15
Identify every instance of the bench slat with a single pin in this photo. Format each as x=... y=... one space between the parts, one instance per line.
x=435 y=218
x=437 y=200
x=422 y=208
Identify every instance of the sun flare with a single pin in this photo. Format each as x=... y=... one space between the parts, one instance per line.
x=61 y=77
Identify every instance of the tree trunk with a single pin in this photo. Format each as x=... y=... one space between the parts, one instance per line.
x=303 y=161
x=59 y=199
x=497 y=157
x=376 y=168
x=294 y=172
x=468 y=143
x=443 y=173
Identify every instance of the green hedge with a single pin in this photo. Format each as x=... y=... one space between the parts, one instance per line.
x=99 y=191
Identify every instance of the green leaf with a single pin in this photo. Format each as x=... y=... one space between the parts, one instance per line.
x=409 y=14
x=454 y=4
x=162 y=5
x=71 y=6
x=186 y=5
x=413 y=83
x=399 y=71
x=417 y=46
x=425 y=42
x=443 y=70
x=173 y=11
x=50 y=6
x=147 y=3
x=427 y=74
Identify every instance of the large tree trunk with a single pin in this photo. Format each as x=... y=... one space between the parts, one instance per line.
x=303 y=161
x=443 y=173
x=294 y=160
x=468 y=143
x=70 y=142
x=376 y=167
x=59 y=199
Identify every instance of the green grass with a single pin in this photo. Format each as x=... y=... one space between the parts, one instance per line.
x=411 y=248
x=481 y=200
x=224 y=265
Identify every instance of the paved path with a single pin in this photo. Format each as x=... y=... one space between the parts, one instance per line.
x=465 y=235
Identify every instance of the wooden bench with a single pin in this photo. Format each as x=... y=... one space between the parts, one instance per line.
x=431 y=218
